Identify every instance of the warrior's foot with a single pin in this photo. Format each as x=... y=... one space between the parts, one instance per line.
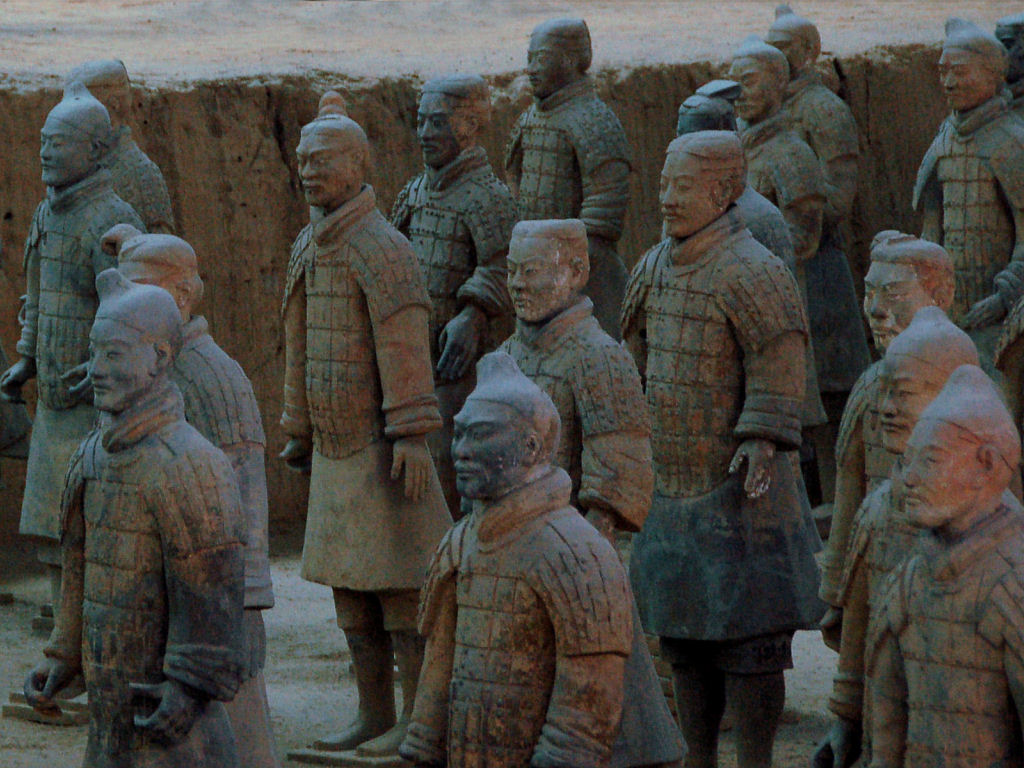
x=386 y=744
x=361 y=730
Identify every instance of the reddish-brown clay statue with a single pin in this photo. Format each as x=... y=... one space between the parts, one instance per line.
x=916 y=367
x=458 y=217
x=568 y=158
x=945 y=662
x=825 y=122
x=358 y=404
x=905 y=275
x=151 y=543
x=137 y=179
x=1010 y=32
x=970 y=186
x=710 y=108
x=723 y=569
x=221 y=405
x=63 y=256
x=605 y=437
x=526 y=608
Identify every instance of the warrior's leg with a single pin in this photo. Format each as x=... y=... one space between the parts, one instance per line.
x=400 y=621
x=699 y=690
x=359 y=614
x=758 y=702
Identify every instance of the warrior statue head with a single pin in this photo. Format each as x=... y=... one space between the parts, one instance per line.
x=916 y=367
x=1010 y=32
x=107 y=80
x=906 y=274
x=763 y=74
x=961 y=455
x=797 y=38
x=548 y=267
x=333 y=156
x=74 y=138
x=559 y=55
x=704 y=173
x=453 y=112
x=710 y=108
x=133 y=343
x=973 y=65
x=506 y=433
x=165 y=261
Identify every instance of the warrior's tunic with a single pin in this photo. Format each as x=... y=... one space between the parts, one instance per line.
x=139 y=182
x=151 y=546
x=357 y=378
x=521 y=648
x=715 y=323
x=459 y=220
x=945 y=655
x=567 y=158
x=63 y=255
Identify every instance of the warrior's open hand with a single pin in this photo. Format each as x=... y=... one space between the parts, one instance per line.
x=14 y=378
x=79 y=383
x=841 y=746
x=174 y=716
x=411 y=454
x=986 y=312
x=45 y=682
x=460 y=343
x=758 y=454
x=298 y=455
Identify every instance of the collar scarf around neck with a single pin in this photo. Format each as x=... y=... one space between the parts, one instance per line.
x=161 y=406
x=439 y=179
x=966 y=123
x=93 y=184
x=496 y=520
x=582 y=87
x=330 y=225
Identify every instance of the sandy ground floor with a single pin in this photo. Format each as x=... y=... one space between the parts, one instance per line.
x=311 y=691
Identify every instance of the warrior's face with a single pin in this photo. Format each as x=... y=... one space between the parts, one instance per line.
x=691 y=197
x=966 y=80
x=542 y=281
x=760 y=89
x=67 y=155
x=892 y=295
x=908 y=387
x=1012 y=39
x=435 y=130
x=494 y=449
x=332 y=165
x=947 y=475
x=124 y=365
x=548 y=65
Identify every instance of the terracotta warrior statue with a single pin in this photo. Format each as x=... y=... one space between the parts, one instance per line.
x=221 y=405
x=568 y=158
x=63 y=255
x=723 y=569
x=526 y=609
x=605 y=437
x=905 y=275
x=825 y=122
x=970 y=186
x=710 y=108
x=137 y=179
x=458 y=217
x=358 y=404
x=151 y=542
x=944 y=655
x=915 y=369
x=1010 y=32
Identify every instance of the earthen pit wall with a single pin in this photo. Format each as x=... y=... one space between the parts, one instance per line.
x=227 y=149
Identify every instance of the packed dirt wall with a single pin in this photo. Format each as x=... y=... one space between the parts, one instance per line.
x=227 y=149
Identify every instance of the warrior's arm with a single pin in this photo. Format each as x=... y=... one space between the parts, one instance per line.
x=774 y=391
x=403 y=359
x=930 y=205
x=840 y=186
x=295 y=419
x=491 y=229
x=804 y=217
x=850 y=492
x=248 y=461
x=847 y=696
x=30 y=312
x=66 y=642
x=605 y=197
x=1009 y=283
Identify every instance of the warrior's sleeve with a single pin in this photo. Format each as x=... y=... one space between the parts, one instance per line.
x=851 y=486
x=1002 y=625
x=295 y=418
x=248 y=461
x=603 y=155
x=427 y=737
x=927 y=196
x=66 y=641
x=581 y=582
x=399 y=311
x=26 y=346
x=634 y=309
x=885 y=674
x=514 y=154
x=196 y=504
x=800 y=192
x=155 y=204
x=401 y=210
x=763 y=304
x=490 y=218
x=618 y=475
x=834 y=141
x=1008 y=165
